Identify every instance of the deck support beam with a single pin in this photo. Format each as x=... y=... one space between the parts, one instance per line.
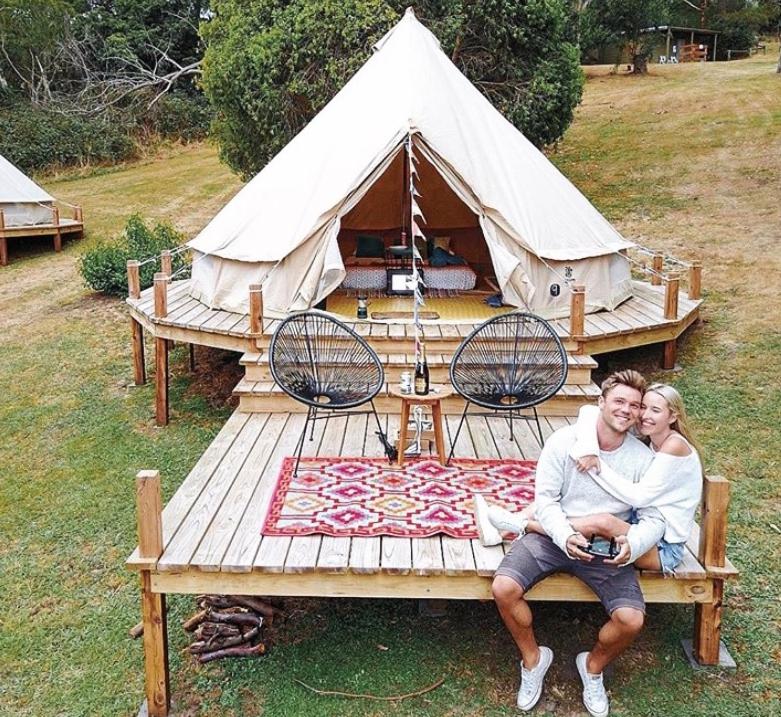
x=150 y=546
x=161 y=382
x=57 y=232
x=3 y=241
x=191 y=356
x=712 y=553
x=139 y=365
x=669 y=354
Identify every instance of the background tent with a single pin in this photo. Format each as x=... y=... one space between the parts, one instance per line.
x=22 y=201
x=282 y=228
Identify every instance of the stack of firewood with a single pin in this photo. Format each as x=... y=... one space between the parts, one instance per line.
x=229 y=626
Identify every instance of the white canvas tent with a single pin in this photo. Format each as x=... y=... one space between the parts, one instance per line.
x=22 y=201
x=281 y=229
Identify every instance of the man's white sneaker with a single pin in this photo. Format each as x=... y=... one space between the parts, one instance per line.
x=532 y=680
x=594 y=695
x=505 y=521
x=488 y=534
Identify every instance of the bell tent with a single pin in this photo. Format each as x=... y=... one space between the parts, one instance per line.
x=292 y=227
x=22 y=202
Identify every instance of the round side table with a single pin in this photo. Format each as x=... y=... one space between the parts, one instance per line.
x=433 y=398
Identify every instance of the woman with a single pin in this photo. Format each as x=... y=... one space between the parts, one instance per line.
x=672 y=484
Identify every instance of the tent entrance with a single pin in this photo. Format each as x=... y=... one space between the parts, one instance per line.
x=452 y=231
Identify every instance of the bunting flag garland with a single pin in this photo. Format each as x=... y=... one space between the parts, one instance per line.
x=415 y=211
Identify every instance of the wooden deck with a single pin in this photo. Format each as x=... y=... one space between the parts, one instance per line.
x=638 y=321
x=212 y=540
x=57 y=231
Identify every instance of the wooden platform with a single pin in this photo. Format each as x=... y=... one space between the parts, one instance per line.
x=638 y=321
x=64 y=227
x=212 y=526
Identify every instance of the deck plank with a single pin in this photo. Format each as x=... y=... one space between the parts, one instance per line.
x=200 y=511
x=249 y=549
x=218 y=537
x=179 y=506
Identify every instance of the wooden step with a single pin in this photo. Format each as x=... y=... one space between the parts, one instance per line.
x=256 y=367
x=267 y=397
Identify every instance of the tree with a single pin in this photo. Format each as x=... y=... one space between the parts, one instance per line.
x=271 y=65
x=623 y=22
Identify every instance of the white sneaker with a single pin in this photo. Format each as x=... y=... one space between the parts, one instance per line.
x=488 y=534
x=505 y=521
x=594 y=695
x=532 y=680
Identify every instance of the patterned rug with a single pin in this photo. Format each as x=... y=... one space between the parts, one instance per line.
x=364 y=497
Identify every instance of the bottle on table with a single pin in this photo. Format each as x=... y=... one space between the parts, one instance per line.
x=421 y=373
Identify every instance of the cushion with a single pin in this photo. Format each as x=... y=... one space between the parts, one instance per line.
x=442 y=243
x=370 y=246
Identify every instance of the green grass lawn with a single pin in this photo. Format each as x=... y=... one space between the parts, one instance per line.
x=687 y=159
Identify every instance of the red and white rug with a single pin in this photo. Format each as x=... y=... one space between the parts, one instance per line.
x=364 y=497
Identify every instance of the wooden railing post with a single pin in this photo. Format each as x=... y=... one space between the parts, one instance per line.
x=672 y=284
x=577 y=311
x=161 y=295
x=78 y=214
x=712 y=552
x=658 y=266
x=3 y=241
x=256 y=312
x=57 y=233
x=166 y=263
x=695 y=280
x=134 y=279
x=150 y=546
x=161 y=382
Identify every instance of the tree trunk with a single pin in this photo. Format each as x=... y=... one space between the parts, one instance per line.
x=639 y=65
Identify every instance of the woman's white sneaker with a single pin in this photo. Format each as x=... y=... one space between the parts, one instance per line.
x=594 y=695
x=532 y=680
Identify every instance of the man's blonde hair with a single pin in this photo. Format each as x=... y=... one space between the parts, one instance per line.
x=627 y=377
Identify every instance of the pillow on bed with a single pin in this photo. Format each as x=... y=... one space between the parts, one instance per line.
x=441 y=243
x=370 y=246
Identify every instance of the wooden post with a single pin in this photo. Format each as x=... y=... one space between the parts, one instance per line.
x=166 y=263
x=191 y=351
x=672 y=284
x=57 y=233
x=658 y=267
x=161 y=381
x=161 y=295
x=150 y=545
x=256 y=312
x=577 y=311
x=695 y=280
x=134 y=279
x=712 y=553
x=3 y=241
x=139 y=366
x=78 y=214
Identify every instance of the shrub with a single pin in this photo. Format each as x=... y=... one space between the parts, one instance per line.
x=33 y=138
x=104 y=267
x=180 y=116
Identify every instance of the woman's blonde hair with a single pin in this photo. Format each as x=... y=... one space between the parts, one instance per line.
x=676 y=406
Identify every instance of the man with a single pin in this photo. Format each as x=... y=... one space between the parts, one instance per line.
x=563 y=493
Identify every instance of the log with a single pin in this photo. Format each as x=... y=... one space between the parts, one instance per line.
x=205 y=647
x=137 y=630
x=240 y=651
x=192 y=622
x=236 y=618
x=256 y=604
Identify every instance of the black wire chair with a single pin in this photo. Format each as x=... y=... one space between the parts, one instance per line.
x=325 y=365
x=508 y=364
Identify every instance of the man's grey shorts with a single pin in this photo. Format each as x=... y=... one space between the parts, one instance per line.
x=533 y=557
